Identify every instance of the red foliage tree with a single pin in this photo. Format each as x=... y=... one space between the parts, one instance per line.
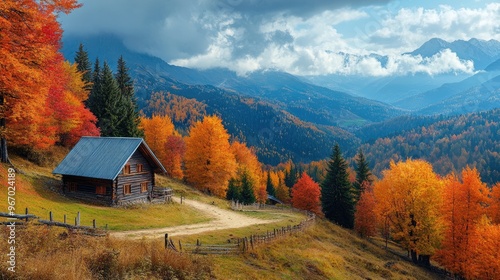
x=31 y=76
x=306 y=195
x=365 y=219
x=175 y=148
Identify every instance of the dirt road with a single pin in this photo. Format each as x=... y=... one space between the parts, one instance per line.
x=222 y=219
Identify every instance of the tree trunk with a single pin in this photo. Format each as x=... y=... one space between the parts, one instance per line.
x=4 y=157
x=414 y=257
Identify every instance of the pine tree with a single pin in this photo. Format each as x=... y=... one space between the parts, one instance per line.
x=336 y=196
x=129 y=125
x=111 y=103
x=83 y=66
x=247 y=194
x=95 y=96
x=269 y=185
x=291 y=177
x=233 y=192
x=363 y=174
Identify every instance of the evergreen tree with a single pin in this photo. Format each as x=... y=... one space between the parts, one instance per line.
x=247 y=195
x=269 y=185
x=363 y=174
x=129 y=126
x=83 y=66
x=233 y=192
x=111 y=104
x=336 y=196
x=95 y=97
x=291 y=177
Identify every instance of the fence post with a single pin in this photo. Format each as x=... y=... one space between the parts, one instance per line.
x=64 y=218
x=26 y=214
x=180 y=246
x=51 y=218
x=93 y=222
x=166 y=240
x=78 y=219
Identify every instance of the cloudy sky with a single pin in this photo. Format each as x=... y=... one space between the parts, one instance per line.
x=304 y=37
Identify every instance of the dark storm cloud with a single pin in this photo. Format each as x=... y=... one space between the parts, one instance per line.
x=300 y=8
x=162 y=28
x=176 y=29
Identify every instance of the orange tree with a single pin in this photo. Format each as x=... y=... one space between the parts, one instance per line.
x=156 y=131
x=247 y=161
x=209 y=161
x=464 y=206
x=409 y=197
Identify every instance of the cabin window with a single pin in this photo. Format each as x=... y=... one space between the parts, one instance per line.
x=127 y=189
x=100 y=190
x=126 y=169
x=144 y=187
x=72 y=186
x=140 y=167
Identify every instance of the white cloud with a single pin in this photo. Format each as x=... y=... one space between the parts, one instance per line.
x=409 y=28
x=290 y=36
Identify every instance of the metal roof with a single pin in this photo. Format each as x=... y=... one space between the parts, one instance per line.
x=103 y=157
x=272 y=198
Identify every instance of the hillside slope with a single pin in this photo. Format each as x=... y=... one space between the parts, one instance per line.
x=324 y=251
x=449 y=144
x=276 y=134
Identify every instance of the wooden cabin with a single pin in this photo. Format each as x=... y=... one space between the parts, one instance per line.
x=110 y=170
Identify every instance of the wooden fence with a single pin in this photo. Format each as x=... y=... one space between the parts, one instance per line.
x=239 y=245
x=237 y=206
x=76 y=228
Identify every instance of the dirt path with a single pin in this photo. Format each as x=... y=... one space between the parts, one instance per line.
x=223 y=219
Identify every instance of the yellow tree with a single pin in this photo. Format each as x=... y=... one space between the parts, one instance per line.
x=282 y=191
x=209 y=161
x=246 y=159
x=409 y=197
x=156 y=131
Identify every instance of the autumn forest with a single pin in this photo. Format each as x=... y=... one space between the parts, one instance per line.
x=432 y=185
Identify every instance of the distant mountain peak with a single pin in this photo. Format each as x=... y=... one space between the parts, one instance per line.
x=481 y=52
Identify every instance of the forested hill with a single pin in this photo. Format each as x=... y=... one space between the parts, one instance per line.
x=276 y=135
x=450 y=145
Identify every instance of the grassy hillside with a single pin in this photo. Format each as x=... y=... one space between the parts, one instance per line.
x=324 y=251
x=37 y=189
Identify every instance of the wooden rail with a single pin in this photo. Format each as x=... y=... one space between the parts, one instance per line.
x=239 y=245
x=76 y=228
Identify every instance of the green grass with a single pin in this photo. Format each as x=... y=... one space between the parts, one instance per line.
x=188 y=192
x=35 y=191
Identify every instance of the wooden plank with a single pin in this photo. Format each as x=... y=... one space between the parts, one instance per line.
x=18 y=216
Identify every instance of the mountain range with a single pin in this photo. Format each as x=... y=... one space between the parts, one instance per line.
x=286 y=116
